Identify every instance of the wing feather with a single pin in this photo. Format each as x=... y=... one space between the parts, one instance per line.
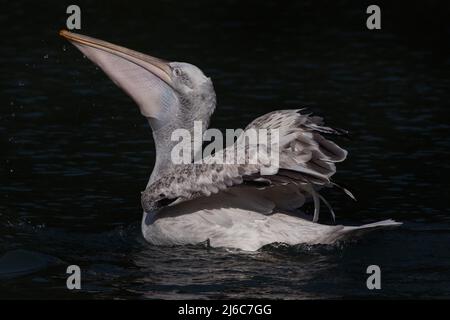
x=306 y=160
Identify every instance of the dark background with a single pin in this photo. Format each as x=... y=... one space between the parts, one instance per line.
x=75 y=152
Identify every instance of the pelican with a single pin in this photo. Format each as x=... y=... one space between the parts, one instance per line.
x=240 y=206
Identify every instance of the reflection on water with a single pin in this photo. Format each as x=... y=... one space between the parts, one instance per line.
x=76 y=154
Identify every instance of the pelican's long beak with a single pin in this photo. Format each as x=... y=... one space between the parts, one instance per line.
x=145 y=78
x=157 y=66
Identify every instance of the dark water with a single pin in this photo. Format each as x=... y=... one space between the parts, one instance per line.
x=75 y=152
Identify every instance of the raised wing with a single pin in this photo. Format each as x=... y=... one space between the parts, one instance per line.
x=306 y=160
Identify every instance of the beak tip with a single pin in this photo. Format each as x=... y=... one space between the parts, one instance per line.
x=63 y=33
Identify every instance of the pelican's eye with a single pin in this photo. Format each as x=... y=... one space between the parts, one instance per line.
x=177 y=72
x=182 y=77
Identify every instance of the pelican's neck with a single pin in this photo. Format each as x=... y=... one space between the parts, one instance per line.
x=185 y=120
x=163 y=146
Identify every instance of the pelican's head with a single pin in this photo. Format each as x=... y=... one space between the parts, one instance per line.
x=176 y=93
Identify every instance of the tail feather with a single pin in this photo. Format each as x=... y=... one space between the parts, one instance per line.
x=365 y=228
x=344 y=232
